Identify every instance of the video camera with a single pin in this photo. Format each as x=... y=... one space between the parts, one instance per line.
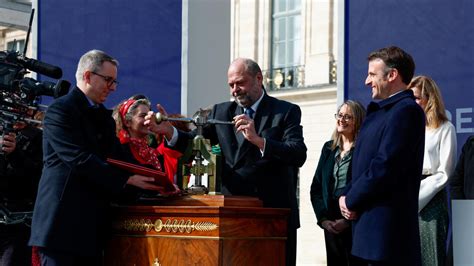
x=20 y=96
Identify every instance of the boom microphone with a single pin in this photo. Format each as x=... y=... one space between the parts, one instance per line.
x=41 y=67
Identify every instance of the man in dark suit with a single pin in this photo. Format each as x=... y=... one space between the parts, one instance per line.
x=264 y=150
x=462 y=180
x=71 y=213
x=382 y=198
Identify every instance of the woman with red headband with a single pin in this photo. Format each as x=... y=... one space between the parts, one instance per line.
x=135 y=138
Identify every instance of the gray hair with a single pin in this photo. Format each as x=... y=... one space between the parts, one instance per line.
x=93 y=61
x=250 y=66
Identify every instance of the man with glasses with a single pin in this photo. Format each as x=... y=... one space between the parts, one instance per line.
x=71 y=214
x=382 y=199
x=110 y=81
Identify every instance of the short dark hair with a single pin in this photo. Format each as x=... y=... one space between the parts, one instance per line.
x=395 y=57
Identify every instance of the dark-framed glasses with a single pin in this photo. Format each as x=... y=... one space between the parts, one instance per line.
x=108 y=80
x=345 y=117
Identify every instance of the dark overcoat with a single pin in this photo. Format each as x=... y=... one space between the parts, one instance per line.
x=386 y=173
x=322 y=186
x=72 y=207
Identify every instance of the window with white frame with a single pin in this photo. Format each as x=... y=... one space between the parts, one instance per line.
x=286 y=43
x=286 y=31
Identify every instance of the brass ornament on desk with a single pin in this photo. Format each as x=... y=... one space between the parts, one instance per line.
x=199 y=151
x=170 y=225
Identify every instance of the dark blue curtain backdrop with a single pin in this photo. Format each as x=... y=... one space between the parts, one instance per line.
x=439 y=34
x=145 y=36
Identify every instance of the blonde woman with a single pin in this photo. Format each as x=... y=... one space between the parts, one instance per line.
x=438 y=166
x=330 y=179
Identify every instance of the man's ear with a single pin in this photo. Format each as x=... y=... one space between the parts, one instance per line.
x=86 y=76
x=259 y=78
x=392 y=74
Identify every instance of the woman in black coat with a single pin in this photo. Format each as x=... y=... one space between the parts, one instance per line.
x=330 y=179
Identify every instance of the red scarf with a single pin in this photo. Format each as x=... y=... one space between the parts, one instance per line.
x=143 y=153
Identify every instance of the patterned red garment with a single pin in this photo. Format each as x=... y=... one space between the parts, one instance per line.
x=170 y=158
x=35 y=257
x=143 y=153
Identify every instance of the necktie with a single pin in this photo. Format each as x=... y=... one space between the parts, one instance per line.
x=249 y=112
x=240 y=138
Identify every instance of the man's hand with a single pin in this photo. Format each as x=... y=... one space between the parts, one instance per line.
x=144 y=182
x=336 y=226
x=341 y=225
x=346 y=213
x=329 y=226
x=246 y=125
x=164 y=128
x=8 y=143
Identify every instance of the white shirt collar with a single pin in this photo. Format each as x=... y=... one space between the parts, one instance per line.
x=255 y=105
x=395 y=93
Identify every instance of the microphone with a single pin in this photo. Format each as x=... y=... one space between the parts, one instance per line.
x=41 y=67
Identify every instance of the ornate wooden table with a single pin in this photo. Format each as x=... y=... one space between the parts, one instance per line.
x=198 y=230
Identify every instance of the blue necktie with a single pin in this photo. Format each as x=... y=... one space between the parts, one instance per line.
x=249 y=112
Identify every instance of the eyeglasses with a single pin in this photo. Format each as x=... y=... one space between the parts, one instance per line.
x=107 y=79
x=346 y=117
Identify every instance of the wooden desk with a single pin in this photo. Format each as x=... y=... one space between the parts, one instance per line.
x=199 y=230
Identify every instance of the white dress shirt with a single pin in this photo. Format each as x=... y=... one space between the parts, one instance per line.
x=438 y=162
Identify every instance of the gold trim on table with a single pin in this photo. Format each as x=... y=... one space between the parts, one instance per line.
x=170 y=225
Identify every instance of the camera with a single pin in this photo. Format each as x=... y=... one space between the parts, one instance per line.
x=20 y=95
x=20 y=99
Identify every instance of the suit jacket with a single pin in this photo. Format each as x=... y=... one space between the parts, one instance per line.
x=273 y=177
x=462 y=181
x=72 y=207
x=386 y=173
x=322 y=186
